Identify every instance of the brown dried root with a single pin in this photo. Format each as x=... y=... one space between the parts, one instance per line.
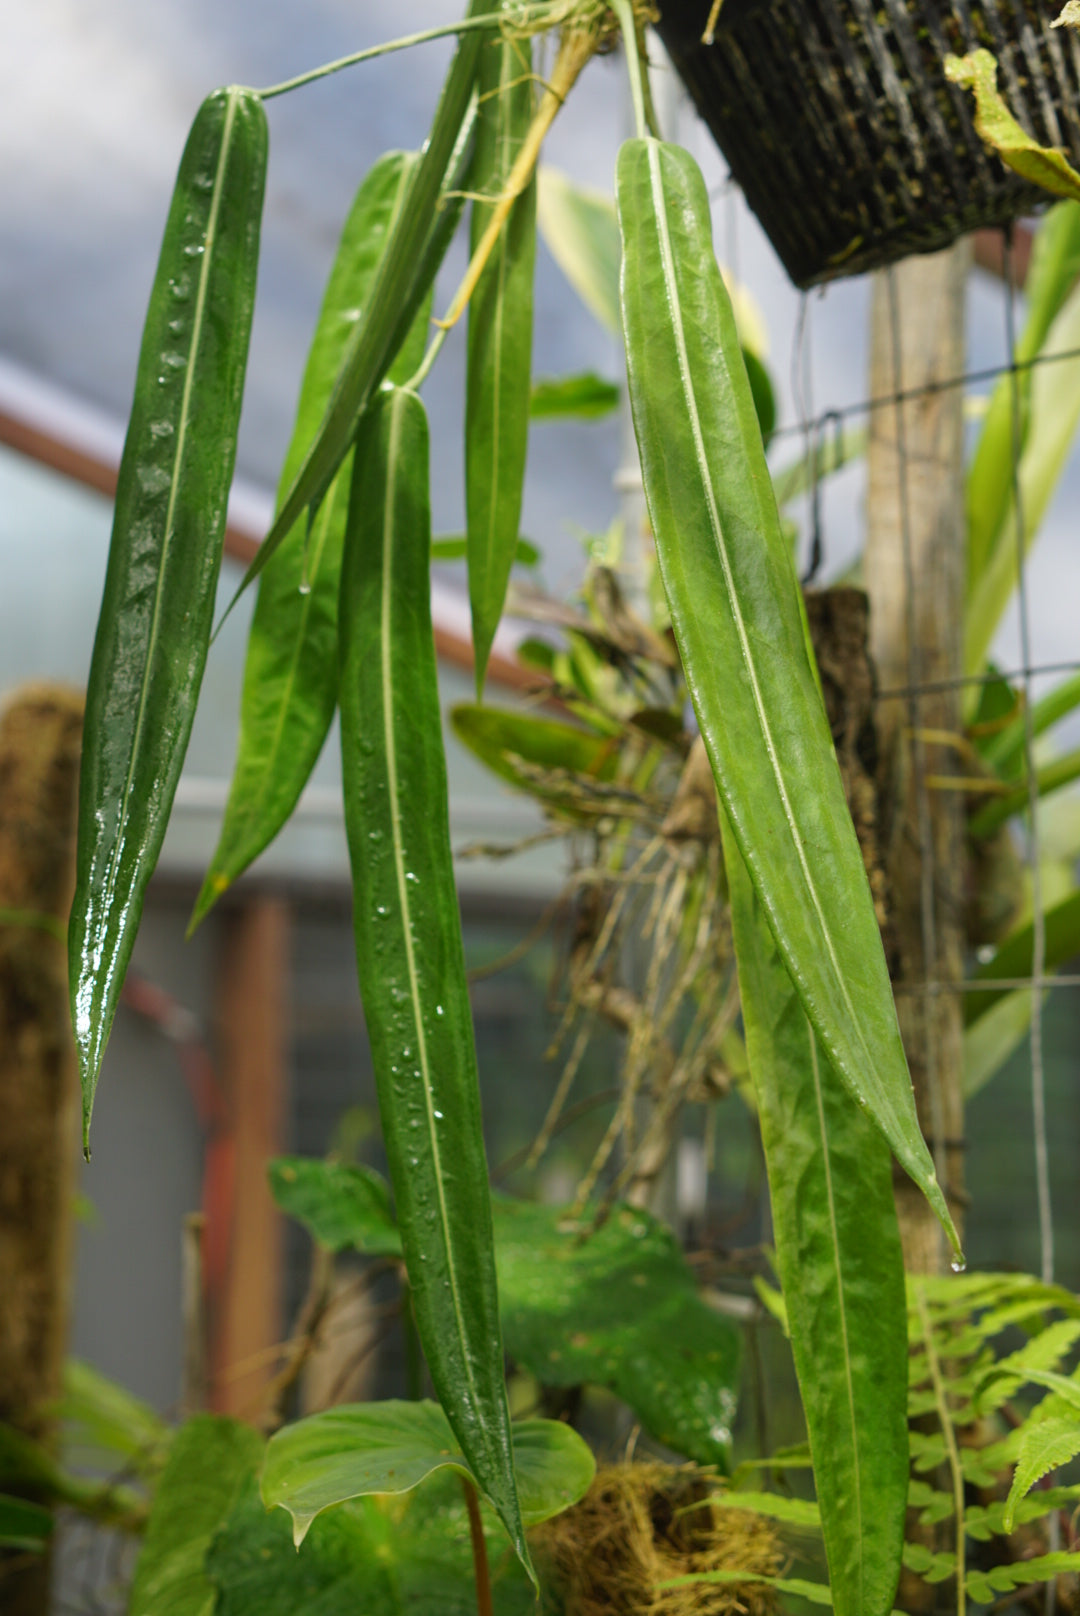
x=633 y=1531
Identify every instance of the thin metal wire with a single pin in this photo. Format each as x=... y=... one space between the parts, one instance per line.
x=924 y=823
x=1038 y=951
x=909 y=395
x=901 y=692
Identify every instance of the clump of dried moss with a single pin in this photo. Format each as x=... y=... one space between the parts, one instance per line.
x=639 y=1526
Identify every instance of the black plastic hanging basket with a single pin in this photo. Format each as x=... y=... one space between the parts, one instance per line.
x=838 y=123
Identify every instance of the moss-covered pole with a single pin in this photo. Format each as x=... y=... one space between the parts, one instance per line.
x=40 y=735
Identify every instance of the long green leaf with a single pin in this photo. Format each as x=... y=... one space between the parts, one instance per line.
x=1052 y=274
x=290 y=675
x=1004 y=753
x=840 y=1265
x=414 y=250
x=830 y=456
x=1050 y=777
x=581 y=233
x=734 y=602
x=1054 y=416
x=392 y=1447
x=499 y=363
x=1013 y=959
x=408 y=939
x=165 y=552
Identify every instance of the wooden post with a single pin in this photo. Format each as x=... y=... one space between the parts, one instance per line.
x=252 y=1021
x=914 y=573
x=40 y=737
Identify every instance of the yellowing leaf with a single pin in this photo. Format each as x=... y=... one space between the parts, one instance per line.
x=995 y=124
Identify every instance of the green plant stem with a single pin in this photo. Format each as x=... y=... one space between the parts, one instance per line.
x=1051 y=777
x=484 y=1605
x=32 y=920
x=417 y=381
x=625 y=13
x=490 y=20
x=949 y=1434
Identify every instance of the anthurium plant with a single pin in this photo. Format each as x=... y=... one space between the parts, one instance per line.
x=342 y=623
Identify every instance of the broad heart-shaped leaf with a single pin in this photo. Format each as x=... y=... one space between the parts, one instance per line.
x=1046 y=1446
x=290 y=675
x=618 y=1308
x=165 y=552
x=409 y=952
x=839 y=1259
x=400 y=1555
x=24 y=1526
x=210 y=1461
x=342 y=1206
x=499 y=362
x=734 y=600
x=415 y=248
x=995 y=124
x=391 y=1447
x=1055 y=264
x=581 y=233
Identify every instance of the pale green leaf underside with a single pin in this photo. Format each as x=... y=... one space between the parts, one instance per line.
x=392 y=1447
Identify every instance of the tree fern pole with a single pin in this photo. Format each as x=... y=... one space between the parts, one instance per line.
x=914 y=573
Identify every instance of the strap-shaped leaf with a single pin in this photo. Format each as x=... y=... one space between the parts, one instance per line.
x=734 y=602
x=290 y=675
x=408 y=939
x=414 y=251
x=1055 y=264
x=840 y=1264
x=165 y=552
x=499 y=365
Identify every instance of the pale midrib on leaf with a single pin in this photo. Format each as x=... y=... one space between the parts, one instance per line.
x=841 y=1303
x=385 y=649
x=671 y=289
x=181 y=444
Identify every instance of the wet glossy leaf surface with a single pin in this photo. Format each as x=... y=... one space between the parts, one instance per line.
x=735 y=607
x=392 y=1447
x=165 y=552
x=290 y=675
x=618 y=1309
x=840 y=1264
x=407 y=927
